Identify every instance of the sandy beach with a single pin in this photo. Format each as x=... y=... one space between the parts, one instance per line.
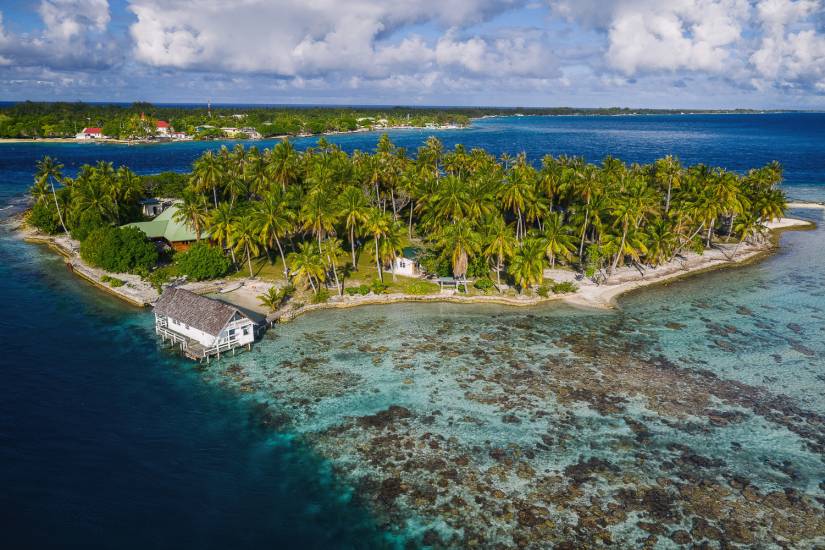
x=140 y=293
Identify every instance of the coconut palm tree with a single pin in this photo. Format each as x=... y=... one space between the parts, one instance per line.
x=282 y=164
x=246 y=239
x=271 y=299
x=275 y=220
x=461 y=241
x=661 y=242
x=221 y=226
x=558 y=239
x=208 y=173
x=307 y=265
x=49 y=170
x=377 y=225
x=353 y=208
x=193 y=211
x=668 y=173
x=318 y=214
x=527 y=265
x=499 y=242
x=331 y=249
x=392 y=244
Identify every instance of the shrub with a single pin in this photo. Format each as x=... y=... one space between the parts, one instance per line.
x=81 y=225
x=203 y=261
x=484 y=284
x=420 y=288
x=320 y=297
x=378 y=287
x=161 y=276
x=478 y=267
x=44 y=218
x=543 y=291
x=361 y=290
x=564 y=288
x=112 y=281
x=120 y=250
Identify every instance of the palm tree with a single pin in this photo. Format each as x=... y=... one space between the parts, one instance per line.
x=307 y=265
x=668 y=172
x=275 y=220
x=221 y=225
x=246 y=239
x=392 y=244
x=48 y=169
x=271 y=299
x=353 y=209
x=318 y=214
x=661 y=242
x=462 y=242
x=282 y=164
x=193 y=212
x=331 y=250
x=527 y=265
x=377 y=225
x=208 y=172
x=558 y=239
x=499 y=242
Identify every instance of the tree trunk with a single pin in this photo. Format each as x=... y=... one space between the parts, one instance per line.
x=498 y=274
x=283 y=258
x=312 y=284
x=215 y=195
x=57 y=205
x=584 y=230
x=352 y=246
x=393 y=267
x=394 y=211
x=620 y=252
x=335 y=274
x=667 y=203
x=409 y=229
x=249 y=262
x=378 y=262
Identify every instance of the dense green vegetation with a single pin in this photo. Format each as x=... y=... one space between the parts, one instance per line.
x=119 y=250
x=202 y=262
x=323 y=215
x=136 y=121
x=29 y=119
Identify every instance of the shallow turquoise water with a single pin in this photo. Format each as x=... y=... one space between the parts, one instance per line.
x=106 y=440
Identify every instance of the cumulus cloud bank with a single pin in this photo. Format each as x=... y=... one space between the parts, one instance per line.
x=417 y=50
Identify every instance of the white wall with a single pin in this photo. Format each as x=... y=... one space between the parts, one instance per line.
x=244 y=332
x=405 y=267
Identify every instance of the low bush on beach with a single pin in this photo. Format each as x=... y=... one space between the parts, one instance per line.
x=421 y=288
x=564 y=288
x=361 y=290
x=119 y=250
x=543 y=290
x=484 y=284
x=203 y=261
x=113 y=282
x=377 y=287
x=44 y=217
x=320 y=297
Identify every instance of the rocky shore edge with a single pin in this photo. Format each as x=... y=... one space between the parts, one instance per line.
x=140 y=293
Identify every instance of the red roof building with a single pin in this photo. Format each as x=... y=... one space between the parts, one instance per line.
x=90 y=133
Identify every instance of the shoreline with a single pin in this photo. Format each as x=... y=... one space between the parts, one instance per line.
x=112 y=141
x=137 y=292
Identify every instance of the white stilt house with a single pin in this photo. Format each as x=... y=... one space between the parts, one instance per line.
x=202 y=326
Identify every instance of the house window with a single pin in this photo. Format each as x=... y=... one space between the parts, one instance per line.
x=246 y=331
x=402 y=264
x=231 y=332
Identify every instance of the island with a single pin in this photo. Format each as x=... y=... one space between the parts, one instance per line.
x=283 y=232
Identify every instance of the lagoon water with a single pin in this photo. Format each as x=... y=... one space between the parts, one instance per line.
x=676 y=401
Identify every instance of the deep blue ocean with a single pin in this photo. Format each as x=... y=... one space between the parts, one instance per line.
x=108 y=441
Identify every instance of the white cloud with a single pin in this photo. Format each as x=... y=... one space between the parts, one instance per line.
x=73 y=37
x=363 y=38
x=791 y=53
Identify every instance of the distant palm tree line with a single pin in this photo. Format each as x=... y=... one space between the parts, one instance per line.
x=317 y=206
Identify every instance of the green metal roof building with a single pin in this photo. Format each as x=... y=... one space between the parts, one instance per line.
x=166 y=227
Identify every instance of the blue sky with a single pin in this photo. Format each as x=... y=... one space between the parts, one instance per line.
x=637 y=53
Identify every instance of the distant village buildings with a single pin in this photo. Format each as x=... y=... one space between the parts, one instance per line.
x=90 y=133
